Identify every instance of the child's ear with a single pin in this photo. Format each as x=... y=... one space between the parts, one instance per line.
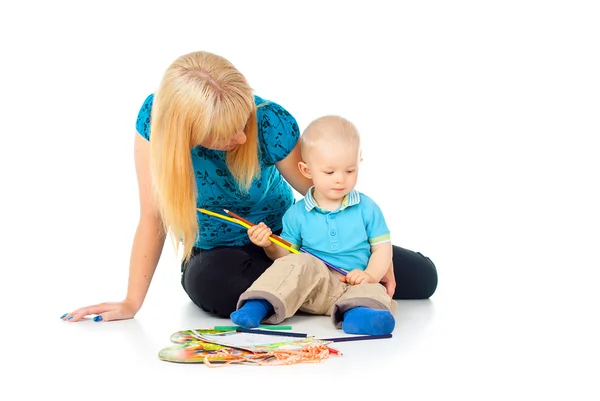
x=304 y=170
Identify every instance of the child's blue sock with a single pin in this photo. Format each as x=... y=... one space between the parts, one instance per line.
x=251 y=314
x=361 y=320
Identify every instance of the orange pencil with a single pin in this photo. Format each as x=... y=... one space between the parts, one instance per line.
x=277 y=237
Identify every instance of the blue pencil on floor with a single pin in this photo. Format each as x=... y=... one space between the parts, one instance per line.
x=357 y=338
x=304 y=335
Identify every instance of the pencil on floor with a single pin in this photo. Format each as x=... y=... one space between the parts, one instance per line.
x=234 y=328
x=357 y=338
x=271 y=332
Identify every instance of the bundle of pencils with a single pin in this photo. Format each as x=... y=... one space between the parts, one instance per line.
x=233 y=218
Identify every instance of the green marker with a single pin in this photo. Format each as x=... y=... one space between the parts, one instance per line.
x=233 y=328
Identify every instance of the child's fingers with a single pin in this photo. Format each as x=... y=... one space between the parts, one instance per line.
x=262 y=235
x=252 y=231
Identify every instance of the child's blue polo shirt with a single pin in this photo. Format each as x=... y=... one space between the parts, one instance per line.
x=342 y=237
x=269 y=195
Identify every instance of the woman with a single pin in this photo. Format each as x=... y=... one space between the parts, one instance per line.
x=244 y=156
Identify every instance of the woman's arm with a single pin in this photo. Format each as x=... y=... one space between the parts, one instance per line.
x=389 y=281
x=150 y=236
x=288 y=168
x=147 y=247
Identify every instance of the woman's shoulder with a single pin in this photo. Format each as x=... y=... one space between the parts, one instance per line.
x=269 y=108
x=278 y=131
x=143 y=119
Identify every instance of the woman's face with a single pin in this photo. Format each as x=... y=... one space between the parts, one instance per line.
x=237 y=139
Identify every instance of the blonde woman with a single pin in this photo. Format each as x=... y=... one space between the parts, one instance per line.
x=205 y=140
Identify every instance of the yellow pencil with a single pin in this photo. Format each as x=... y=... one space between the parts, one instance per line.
x=241 y=223
x=220 y=216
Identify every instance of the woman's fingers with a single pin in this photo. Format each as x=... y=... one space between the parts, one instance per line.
x=79 y=314
x=117 y=314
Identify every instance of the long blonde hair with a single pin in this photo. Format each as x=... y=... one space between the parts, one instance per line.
x=202 y=98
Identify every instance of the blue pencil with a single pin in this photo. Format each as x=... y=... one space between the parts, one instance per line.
x=303 y=335
x=337 y=269
x=357 y=338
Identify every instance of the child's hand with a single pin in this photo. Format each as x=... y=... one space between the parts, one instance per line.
x=357 y=276
x=259 y=235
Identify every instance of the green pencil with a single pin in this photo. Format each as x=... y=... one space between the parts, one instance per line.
x=232 y=328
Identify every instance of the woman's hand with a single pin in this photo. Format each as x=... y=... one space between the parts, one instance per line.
x=259 y=235
x=106 y=312
x=389 y=281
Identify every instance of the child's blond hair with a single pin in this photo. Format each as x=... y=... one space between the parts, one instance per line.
x=334 y=130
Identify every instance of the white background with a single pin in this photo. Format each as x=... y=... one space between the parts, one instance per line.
x=480 y=126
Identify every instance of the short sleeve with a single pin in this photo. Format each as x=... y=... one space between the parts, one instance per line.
x=278 y=132
x=291 y=231
x=376 y=227
x=143 y=119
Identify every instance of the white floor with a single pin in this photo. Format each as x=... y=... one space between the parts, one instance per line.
x=473 y=340
x=480 y=132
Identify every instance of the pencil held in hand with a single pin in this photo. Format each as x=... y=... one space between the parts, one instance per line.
x=243 y=220
x=233 y=218
x=260 y=235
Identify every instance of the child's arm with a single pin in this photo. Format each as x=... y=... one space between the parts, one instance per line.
x=259 y=235
x=377 y=268
x=274 y=251
x=380 y=261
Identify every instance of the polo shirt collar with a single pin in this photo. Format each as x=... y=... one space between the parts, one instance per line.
x=353 y=198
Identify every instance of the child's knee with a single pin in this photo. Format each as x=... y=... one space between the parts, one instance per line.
x=297 y=258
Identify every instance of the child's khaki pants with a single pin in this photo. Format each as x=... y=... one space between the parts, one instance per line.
x=302 y=282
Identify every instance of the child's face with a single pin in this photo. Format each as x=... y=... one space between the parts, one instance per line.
x=334 y=171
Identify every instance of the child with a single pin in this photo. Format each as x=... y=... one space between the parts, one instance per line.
x=336 y=223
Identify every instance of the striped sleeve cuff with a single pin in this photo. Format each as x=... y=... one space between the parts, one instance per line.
x=380 y=239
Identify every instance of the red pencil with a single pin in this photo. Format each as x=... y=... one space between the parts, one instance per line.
x=334 y=351
x=235 y=216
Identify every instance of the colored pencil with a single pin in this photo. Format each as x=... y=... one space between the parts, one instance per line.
x=334 y=351
x=226 y=218
x=357 y=338
x=234 y=328
x=277 y=237
x=337 y=269
x=240 y=221
x=243 y=224
x=271 y=332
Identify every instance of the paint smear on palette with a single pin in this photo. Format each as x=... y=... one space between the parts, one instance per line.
x=186 y=336
x=196 y=352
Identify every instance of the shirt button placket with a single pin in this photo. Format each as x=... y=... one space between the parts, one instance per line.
x=333 y=231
